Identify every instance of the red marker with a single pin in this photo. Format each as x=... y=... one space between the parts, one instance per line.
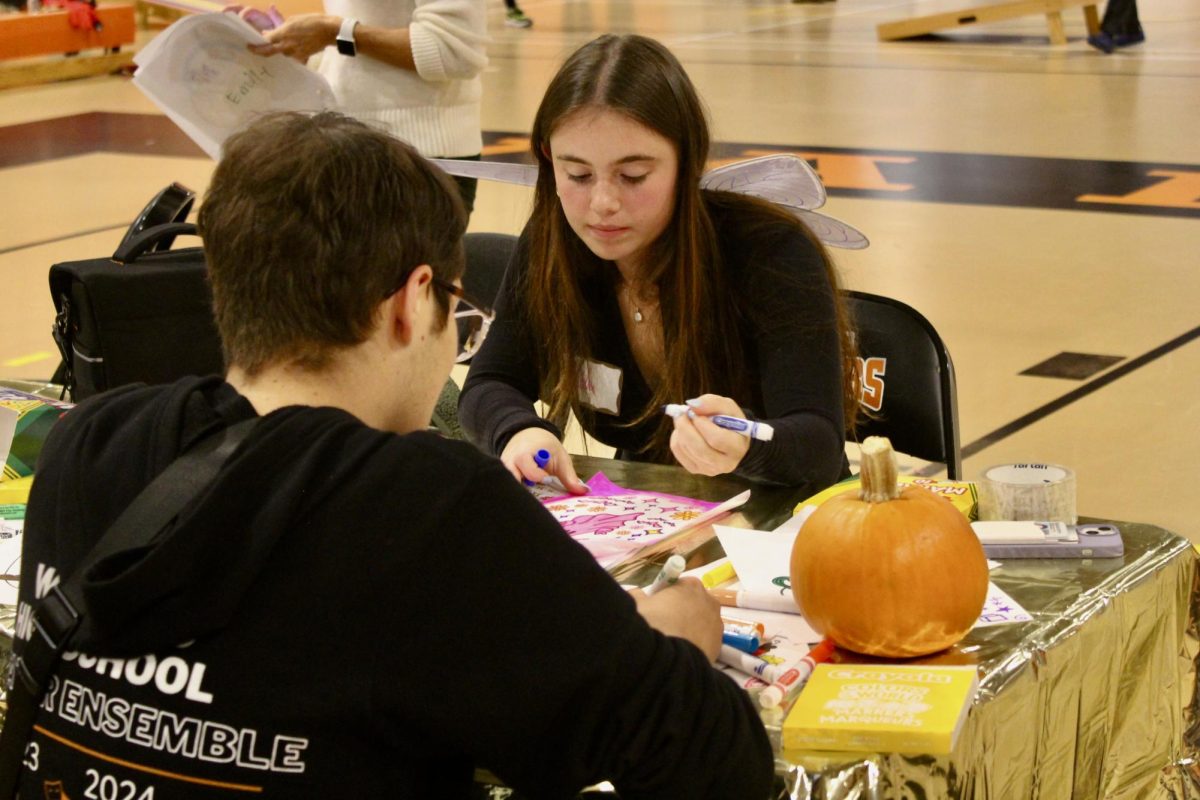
x=794 y=677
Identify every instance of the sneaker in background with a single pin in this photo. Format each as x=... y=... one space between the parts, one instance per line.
x=515 y=18
x=1111 y=41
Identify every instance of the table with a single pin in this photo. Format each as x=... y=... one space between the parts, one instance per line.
x=1096 y=697
x=1093 y=698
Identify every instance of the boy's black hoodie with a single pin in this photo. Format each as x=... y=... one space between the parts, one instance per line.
x=346 y=612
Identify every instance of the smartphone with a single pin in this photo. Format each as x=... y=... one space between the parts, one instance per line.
x=1007 y=539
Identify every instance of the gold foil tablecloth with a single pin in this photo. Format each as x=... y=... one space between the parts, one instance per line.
x=1095 y=698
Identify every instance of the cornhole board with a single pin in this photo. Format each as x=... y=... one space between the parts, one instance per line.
x=978 y=15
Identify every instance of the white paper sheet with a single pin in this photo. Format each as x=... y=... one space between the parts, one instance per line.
x=1000 y=609
x=761 y=559
x=199 y=72
x=11 y=531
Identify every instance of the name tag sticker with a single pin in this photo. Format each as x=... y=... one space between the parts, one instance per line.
x=600 y=386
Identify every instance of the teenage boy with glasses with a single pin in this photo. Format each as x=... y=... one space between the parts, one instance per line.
x=354 y=607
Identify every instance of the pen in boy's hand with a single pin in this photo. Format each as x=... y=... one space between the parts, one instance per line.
x=667 y=575
x=746 y=427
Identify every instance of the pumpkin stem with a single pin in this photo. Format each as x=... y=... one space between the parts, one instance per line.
x=878 y=471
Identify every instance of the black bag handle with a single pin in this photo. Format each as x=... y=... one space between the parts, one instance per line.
x=132 y=249
x=60 y=613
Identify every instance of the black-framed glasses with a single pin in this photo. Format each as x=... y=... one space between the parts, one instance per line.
x=471 y=317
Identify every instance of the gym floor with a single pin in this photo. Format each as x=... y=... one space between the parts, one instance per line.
x=1039 y=203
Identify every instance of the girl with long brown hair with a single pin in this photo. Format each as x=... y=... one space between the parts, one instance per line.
x=632 y=289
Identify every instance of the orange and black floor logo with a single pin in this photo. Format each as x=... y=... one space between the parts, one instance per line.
x=965 y=178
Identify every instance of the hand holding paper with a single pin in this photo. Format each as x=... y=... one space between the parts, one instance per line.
x=201 y=74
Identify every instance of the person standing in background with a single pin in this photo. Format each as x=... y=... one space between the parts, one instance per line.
x=514 y=17
x=411 y=66
x=1119 y=28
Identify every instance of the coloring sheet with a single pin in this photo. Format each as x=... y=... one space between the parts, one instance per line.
x=613 y=522
x=1000 y=609
x=199 y=72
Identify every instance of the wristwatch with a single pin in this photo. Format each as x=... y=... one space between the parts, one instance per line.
x=345 y=38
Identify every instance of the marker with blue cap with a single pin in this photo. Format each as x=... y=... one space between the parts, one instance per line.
x=743 y=640
x=542 y=459
x=746 y=427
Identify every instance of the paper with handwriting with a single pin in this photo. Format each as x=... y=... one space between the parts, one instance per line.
x=199 y=72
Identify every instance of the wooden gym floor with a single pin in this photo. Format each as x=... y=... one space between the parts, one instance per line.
x=1031 y=200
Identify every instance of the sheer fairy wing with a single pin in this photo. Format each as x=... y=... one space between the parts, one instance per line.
x=521 y=174
x=785 y=179
x=832 y=232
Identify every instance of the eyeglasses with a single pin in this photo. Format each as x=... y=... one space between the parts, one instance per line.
x=471 y=317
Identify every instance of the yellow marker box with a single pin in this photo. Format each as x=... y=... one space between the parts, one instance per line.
x=962 y=494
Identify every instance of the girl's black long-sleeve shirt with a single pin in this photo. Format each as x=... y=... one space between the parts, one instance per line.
x=792 y=355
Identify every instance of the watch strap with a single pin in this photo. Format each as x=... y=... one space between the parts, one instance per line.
x=346 y=44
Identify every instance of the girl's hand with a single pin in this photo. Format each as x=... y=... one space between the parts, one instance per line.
x=518 y=457
x=702 y=447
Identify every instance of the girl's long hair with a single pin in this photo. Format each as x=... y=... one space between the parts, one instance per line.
x=702 y=334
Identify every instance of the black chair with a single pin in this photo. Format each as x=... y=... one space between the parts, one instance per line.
x=488 y=255
x=909 y=392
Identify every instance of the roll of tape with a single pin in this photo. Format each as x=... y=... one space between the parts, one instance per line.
x=1043 y=492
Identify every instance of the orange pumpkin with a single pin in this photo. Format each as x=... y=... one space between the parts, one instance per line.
x=888 y=571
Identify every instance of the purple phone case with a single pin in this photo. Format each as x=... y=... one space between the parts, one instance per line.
x=1096 y=540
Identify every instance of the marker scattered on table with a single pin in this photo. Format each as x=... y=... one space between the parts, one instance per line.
x=743 y=636
x=742 y=640
x=719 y=572
x=746 y=427
x=667 y=575
x=794 y=677
x=768 y=600
x=750 y=664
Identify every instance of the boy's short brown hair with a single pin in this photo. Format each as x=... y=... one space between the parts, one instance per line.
x=310 y=222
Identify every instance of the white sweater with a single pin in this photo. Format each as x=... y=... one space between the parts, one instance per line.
x=437 y=108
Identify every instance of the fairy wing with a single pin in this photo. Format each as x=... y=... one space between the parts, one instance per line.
x=521 y=174
x=785 y=179
x=832 y=232
x=788 y=181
